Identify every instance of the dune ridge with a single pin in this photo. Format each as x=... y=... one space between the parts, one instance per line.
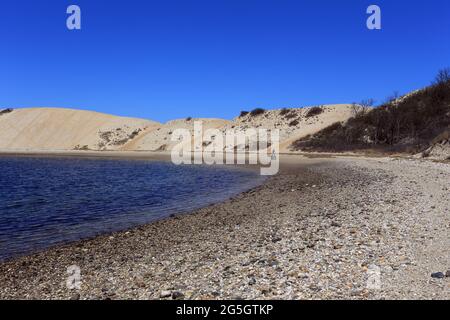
x=58 y=129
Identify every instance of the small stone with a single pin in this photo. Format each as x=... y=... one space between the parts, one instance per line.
x=273 y=262
x=447 y=274
x=438 y=275
x=264 y=290
x=335 y=224
x=177 y=295
x=75 y=296
x=165 y=294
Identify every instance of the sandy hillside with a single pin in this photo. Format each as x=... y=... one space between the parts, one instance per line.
x=66 y=129
x=293 y=123
x=160 y=139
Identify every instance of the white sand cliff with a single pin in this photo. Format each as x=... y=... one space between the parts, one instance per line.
x=66 y=129
x=53 y=129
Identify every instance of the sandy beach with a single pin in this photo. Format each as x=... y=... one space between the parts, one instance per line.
x=314 y=231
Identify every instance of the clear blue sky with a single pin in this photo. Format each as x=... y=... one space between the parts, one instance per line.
x=172 y=59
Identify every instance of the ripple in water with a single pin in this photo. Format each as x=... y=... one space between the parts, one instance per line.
x=50 y=201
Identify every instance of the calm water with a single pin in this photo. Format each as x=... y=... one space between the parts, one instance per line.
x=49 y=201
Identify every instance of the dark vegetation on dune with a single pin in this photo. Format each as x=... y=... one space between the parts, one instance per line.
x=257 y=112
x=5 y=111
x=314 y=111
x=408 y=124
x=284 y=111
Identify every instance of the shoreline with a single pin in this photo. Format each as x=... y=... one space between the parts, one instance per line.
x=144 y=155
x=279 y=240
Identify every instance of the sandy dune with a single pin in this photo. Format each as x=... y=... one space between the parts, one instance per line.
x=66 y=129
x=52 y=129
x=293 y=123
x=160 y=139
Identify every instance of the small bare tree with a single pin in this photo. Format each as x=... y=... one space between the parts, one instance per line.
x=359 y=109
x=442 y=77
x=367 y=103
x=393 y=98
x=355 y=109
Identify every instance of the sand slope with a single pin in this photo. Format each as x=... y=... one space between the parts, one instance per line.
x=47 y=129
x=293 y=123
x=66 y=129
x=160 y=139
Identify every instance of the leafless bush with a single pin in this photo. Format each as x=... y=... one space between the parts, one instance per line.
x=314 y=111
x=134 y=133
x=392 y=98
x=81 y=148
x=409 y=125
x=359 y=109
x=257 y=112
x=5 y=111
x=293 y=123
x=443 y=77
x=284 y=111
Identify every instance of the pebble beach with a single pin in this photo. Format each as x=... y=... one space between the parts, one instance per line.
x=320 y=229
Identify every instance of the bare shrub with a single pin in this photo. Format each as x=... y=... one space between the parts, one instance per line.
x=257 y=112
x=314 y=111
x=81 y=148
x=443 y=77
x=293 y=123
x=292 y=114
x=134 y=133
x=410 y=125
x=5 y=111
x=359 y=109
x=356 y=109
x=392 y=98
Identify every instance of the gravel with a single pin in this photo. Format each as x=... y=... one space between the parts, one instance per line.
x=342 y=228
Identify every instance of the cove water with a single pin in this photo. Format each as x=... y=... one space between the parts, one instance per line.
x=49 y=201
